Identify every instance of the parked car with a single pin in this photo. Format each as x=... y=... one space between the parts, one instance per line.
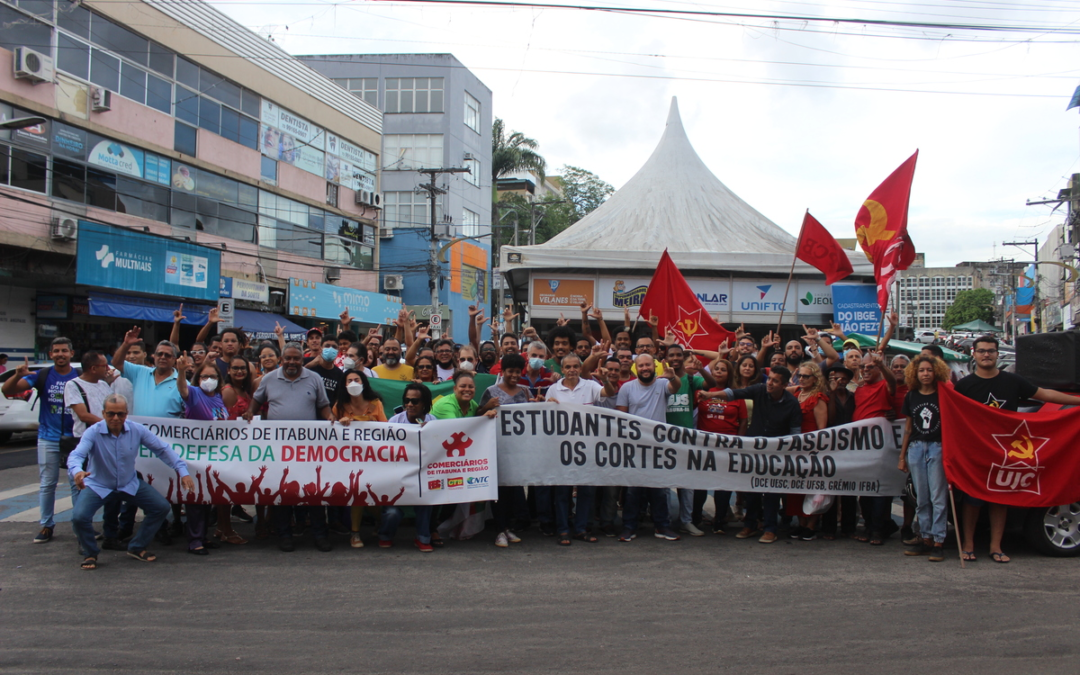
x=20 y=413
x=926 y=337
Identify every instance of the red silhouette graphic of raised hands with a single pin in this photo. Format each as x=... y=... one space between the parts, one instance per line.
x=243 y=494
x=191 y=497
x=339 y=493
x=217 y=495
x=169 y=496
x=385 y=499
x=314 y=496
x=288 y=492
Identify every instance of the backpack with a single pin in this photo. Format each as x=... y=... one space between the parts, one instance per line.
x=42 y=379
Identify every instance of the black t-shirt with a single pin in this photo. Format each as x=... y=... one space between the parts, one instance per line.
x=1004 y=390
x=925 y=416
x=331 y=377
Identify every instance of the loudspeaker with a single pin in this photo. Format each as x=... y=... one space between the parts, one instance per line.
x=1050 y=360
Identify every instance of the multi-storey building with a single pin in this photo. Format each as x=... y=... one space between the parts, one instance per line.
x=437 y=116
x=176 y=156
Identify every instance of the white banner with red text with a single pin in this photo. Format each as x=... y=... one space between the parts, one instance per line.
x=319 y=463
x=555 y=444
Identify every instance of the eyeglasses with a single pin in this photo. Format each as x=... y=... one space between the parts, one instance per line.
x=165 y=355
x=239 y=369
x=466 y=358
x=444 y=351
x=986 y=352
x=115 y=414
x=411 y=401
x=197 y=351
x=425 y=367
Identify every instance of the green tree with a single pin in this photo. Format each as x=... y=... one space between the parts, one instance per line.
x=977 y=303
x=584 y=190
x=513 y=152
x=583 y=193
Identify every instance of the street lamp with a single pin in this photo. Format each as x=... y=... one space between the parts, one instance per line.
x=22 y=122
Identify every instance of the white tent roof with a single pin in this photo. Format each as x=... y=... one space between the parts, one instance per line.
x=672 y=202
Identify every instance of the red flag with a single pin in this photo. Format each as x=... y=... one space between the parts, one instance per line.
x=1004 y=457
x=673 y=302
x=881 y=226
x=818 y=248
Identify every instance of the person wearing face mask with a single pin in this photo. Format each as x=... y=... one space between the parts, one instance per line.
x=324 y=367
x=354 y=361
x=358 y=402
x=535 y=376
x=200 y=403
x=467 y=359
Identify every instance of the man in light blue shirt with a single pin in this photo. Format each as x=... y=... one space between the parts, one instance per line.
x=155 y=393
x=109 y=449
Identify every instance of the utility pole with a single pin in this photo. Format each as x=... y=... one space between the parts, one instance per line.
x=433 y=191
x=1034 y=282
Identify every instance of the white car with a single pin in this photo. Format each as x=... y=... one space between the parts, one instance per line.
x=926 y=337
x=18 y=414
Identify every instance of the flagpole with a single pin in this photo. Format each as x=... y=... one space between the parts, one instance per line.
x=791 y=274
x=956 y=528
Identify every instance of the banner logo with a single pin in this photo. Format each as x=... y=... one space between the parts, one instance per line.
x=455 y=483
x=764 y=290
x=104 y=256
x=620 y=297
x=476 y=481
x=553 y=284
x=434 y=484
x=458 y=447
x=1019 y=469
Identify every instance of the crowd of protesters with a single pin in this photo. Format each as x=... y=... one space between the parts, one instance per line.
x=753 y=387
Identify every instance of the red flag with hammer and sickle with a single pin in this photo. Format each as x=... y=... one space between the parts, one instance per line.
x=673 y=302
x=881 y=226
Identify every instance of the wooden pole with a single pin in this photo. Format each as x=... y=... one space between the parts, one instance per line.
x=956 y=524
x=790 y=275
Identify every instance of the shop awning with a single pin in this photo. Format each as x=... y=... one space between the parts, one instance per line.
x=260 y=325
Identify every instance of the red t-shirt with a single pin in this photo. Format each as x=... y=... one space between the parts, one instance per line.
x=720 y=417
x=898 y=400
x=809 y=422
x=872 y=400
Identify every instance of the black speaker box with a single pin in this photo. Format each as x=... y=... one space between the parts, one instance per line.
x=1050 y=360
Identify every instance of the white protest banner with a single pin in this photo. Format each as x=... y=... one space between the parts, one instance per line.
x=555 y=444
x=319 y=463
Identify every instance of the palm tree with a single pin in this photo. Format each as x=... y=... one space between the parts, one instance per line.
x=513 y=153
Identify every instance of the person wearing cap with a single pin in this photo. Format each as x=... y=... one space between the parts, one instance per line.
x=314 y=343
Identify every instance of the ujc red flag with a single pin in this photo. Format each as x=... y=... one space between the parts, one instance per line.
x=673 y=302
x=881 y=227
x=1004 y=457
x=818 y=248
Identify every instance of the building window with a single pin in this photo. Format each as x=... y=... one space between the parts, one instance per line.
x=184 y=139
x=332 y=194
x=406 y=152
x=472 y=113
x=407 y=209
x=414 y=95
x=470 y=223
x=473 y=177
x=28 y=169
x=268 y=170
x=364 y=88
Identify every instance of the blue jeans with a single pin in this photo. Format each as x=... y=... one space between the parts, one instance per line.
x=392 y=516
x=48 y=457
x=89 y=502
x=544 y=508
x=931 y=488
x=769 y=503
x=657 y=497
x=563 y=494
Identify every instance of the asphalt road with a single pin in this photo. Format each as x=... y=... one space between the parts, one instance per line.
x=706 y=605
x=21 y=450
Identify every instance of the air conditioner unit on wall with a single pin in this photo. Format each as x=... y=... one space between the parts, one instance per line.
x=386 y=233
x=32 y=65
x=64 y=228
x=393 y=282
x=333 y=274
x=369 y=198
x=100 y=99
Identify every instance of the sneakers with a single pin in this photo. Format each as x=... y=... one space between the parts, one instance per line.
x=44 y=536
x=422 y=547
x=767 y=538
x=628 y=535
x=609 y=530
x=355 y=541
x=795 y=533
x=240 y=514
x=937 y=553
x=747 y=532
x=922 y=547
x=286 y=544
x=808 y=534
x=386 y=543
x=691 y=529
x=512 y=538
x=324 y=545
x=667 y=534
x=501 y=540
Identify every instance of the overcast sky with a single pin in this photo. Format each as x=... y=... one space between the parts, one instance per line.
x=789 y=114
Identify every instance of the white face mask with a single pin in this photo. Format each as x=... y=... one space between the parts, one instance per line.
x=354 y=388
x=466 y=365
x=209 y=386
x=348 y=363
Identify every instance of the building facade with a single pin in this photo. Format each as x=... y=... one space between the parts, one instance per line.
x=437 y=115
x=926 y=293
x=175 y=161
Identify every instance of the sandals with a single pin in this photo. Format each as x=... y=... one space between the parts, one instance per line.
x=999 y=557
x=564 y=539
x=89 y=563
x=143 y=556
x=436 y=540
x=863 y=537
x=968 y=556
x=585 y=536
x=877 y=539
x=232 y=538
